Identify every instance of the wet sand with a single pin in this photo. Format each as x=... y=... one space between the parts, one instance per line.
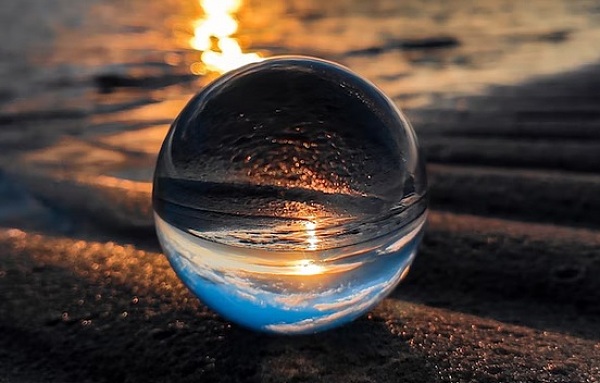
x=504 y=97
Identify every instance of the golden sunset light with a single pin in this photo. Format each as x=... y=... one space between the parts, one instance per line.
x=213 y=36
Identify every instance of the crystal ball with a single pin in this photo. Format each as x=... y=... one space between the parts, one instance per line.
x=289 y=195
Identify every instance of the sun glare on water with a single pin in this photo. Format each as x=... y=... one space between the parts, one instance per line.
x=213 y=36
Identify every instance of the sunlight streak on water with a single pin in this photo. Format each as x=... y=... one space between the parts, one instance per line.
x=213 y=36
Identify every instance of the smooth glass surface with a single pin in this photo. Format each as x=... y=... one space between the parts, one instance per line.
x=289 y=195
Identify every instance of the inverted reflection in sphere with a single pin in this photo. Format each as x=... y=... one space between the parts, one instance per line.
x=289 y=195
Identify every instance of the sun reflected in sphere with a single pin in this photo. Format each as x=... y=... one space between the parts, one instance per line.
x=308 y=267
x=312 y=238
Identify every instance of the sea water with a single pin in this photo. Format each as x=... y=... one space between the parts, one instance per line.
x=289 y=195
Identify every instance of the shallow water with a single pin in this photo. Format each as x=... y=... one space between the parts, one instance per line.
x=52 y=55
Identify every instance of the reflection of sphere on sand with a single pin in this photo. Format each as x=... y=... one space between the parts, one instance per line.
x=289 y=195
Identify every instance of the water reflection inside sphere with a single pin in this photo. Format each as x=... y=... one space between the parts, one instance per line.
x=289 y=195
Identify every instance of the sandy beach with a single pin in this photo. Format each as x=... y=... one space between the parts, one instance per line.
x=505 y=99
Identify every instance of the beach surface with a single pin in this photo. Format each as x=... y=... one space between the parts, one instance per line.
x=505 y=99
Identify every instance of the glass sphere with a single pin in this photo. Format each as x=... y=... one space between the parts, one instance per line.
x=289 y=195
